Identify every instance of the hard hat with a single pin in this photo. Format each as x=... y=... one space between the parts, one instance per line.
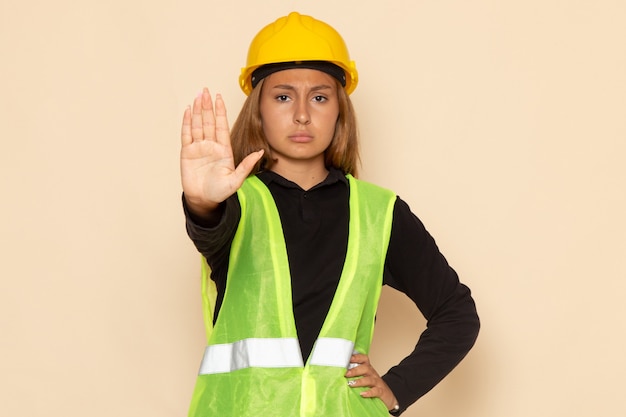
x=298 y=39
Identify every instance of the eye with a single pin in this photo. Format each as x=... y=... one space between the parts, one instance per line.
x=320 y=99
x=282 y=97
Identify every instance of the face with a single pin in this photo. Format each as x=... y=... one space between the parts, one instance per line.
x=299 y=110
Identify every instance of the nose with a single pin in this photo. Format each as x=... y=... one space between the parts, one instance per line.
x=301 y=115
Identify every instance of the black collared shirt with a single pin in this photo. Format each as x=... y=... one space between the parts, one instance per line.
x=315 y=226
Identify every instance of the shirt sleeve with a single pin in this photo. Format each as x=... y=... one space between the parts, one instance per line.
x=213 y=240
x=415 y=266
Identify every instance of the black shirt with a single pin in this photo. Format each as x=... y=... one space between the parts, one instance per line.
x=315 y=227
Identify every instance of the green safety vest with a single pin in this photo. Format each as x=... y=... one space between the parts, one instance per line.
x=252 y=366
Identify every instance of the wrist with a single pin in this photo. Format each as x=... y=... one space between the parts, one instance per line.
x=202 y=214
x=200 y=208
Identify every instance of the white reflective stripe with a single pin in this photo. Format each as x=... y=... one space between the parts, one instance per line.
x=332 y=351
x=261 y=353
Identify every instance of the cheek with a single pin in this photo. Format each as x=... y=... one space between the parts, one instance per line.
x=271 y=124
x=330 y=121
x=265 y=120
x=265 y=123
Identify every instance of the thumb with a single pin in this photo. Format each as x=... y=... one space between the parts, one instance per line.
x=245 y=167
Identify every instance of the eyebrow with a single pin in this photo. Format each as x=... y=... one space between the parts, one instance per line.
x=290 y=87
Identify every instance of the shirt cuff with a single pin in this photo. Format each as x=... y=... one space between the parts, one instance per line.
x=201 y=222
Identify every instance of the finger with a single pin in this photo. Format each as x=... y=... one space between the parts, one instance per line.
x=208 y=117
x=185 y=133
x=358 y=370
x=222 y=133
x=362 y=370
x=359 y=358
x=245 y=167
x=362 y=382
x=376 y=387
x=382 y=392
x=372 y=392
x=196 y=119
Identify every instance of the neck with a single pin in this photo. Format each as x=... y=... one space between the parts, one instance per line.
x=305 y=176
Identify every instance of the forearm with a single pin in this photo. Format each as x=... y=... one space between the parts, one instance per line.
x=446 y=341
x=213 y=234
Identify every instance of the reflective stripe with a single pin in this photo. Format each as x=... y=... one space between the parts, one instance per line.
x=261 y=353
x=274 y=353
x=332 y=351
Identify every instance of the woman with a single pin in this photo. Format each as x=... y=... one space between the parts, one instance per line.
x=299 y=249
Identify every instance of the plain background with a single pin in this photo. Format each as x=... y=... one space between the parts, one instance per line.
x=502 y=123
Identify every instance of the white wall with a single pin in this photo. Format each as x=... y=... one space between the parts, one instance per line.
x=501 y=123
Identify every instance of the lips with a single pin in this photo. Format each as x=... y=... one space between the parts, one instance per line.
x=301 y=137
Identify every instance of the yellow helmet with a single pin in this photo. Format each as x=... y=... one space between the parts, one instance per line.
x=303 y=42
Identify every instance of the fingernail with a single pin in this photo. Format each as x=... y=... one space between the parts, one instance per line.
x=352 y=382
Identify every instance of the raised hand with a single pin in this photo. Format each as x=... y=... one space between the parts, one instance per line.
x=207 y=168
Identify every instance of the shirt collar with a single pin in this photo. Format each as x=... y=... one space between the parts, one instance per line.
x=334 y=175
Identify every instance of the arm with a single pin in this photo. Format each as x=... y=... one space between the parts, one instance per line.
x=210 y=180
x=415 y=266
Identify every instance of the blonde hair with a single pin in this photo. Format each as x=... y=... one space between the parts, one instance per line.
x=247 y=135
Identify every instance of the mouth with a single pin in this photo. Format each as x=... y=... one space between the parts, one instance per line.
x=301 y=137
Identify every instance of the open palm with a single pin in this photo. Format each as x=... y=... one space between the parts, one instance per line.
x=208 y=172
